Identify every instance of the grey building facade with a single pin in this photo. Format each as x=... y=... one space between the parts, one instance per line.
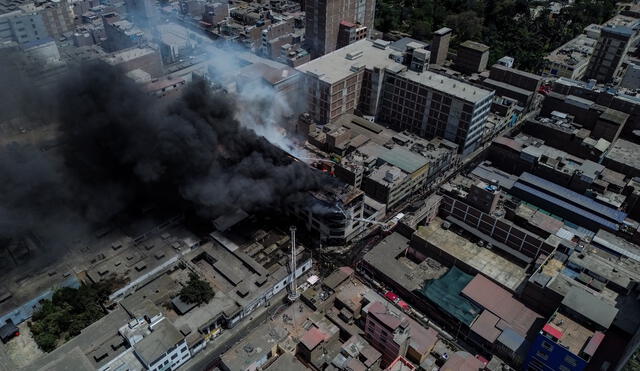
x=608 y=53
x=323 y=19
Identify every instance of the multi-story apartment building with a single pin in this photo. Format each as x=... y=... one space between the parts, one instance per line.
x=22 y=26
x=571 y=59
x=375 y=80
x=333 y=84
x=57 y=17
x=433 y=105
x=440 y=45
x=349 y=33
x=122 y=35
x=608 y=53
x=323 y=18
x=141 y=11
x=472 y=57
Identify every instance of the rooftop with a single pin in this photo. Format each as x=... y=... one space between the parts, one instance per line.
x=625 y=152
x=127 y=55
x=337 y=66
x=572 y=197
x=285 y=362
x=163 y=336
x=591 y=307
x=475 y=46
x=100 y=342
x=617 y=245
x=573 y=335
x=342 y=63
x=575 y=52
x=388 y=257
x=502 y=304
x=445 y=292
x=479 y=258
x=621 y=272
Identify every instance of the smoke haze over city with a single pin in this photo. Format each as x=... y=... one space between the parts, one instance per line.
x=119 y=146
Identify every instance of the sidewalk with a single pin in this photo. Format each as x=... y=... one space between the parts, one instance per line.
x=208 y=357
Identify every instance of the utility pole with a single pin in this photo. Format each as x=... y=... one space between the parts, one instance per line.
x=293 y=294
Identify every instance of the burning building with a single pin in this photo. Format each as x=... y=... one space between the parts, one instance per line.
x=334 y=213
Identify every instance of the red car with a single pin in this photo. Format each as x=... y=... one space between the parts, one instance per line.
x=392 y=297
x=404 y=306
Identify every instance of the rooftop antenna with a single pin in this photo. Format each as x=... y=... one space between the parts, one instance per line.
x=293 y=294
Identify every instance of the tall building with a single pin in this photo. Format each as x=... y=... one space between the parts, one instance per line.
x=22 y=26
x=57 y=17
x=122 y=35
x=394 y=86
x=472 y=57
x=141 y=11
x=608 y=53
x=433 y=105
x=440 y=45
x=349 y=33
x=323 y=19
x=573 y=334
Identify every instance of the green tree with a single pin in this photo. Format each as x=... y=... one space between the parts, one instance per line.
x=196 y=291
x=46 y=341
x=467 y=25
x=68 y=312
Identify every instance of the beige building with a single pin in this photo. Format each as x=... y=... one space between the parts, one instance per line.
x=370 y=77
x=323 y=18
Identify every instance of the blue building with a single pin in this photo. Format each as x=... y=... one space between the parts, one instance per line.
x=24 y=311
x=573 y=334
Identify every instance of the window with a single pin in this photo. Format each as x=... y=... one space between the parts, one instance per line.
x=570 y=360
x=546 y=346
x=174 y=356
x=542 y=355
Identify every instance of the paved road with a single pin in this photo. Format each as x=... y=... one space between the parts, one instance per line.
x=209 y=358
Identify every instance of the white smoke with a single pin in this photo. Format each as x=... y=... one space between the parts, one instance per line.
x=259 y=106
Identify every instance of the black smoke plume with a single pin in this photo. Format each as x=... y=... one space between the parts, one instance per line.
x=121 y=146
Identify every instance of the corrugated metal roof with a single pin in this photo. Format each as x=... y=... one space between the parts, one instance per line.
x=573 y=197
x=403 y=158
x=617 y=244
x=565 y=205
x=501 y=303
x=594 y=343
x=485 y=326
x=511 y=339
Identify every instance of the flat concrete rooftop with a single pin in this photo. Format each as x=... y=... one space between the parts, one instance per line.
x=479 y=258
x=343 y=63
x=388 y=257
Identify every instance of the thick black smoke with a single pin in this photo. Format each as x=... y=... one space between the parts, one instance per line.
x=120 y=146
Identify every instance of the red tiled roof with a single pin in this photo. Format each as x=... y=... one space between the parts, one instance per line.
x=501 y=303
x=313 y=337
x=462 y=361
x=508 y=142
x=485 y=326
x=422 y=339
x=380 y=312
